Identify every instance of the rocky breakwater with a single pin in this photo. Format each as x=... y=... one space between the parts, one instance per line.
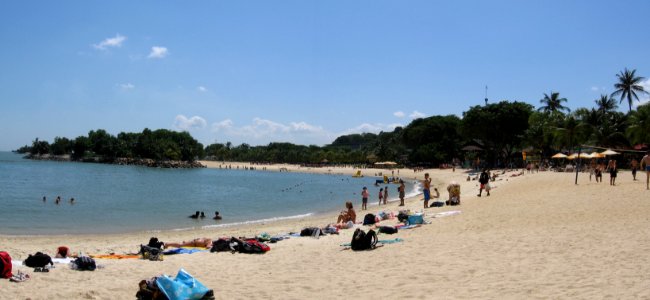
x=146 y=162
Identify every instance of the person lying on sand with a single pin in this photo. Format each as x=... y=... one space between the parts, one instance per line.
x=198 y=242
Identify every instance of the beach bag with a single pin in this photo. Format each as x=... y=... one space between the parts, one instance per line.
x=311 y=231
x=5 y=265
x=253 y=247
x=387 y=229
x=85 y=263
x=155 y=243
x=415 y=219
x=363 y=241
x=402 y=216
x=369 y=219
x=38 y=260
x=437 y=204
x=183 y=287
x=222 y=245
x=151 y=253
x=149 y=290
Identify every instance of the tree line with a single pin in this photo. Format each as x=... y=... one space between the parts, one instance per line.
x=499 y=131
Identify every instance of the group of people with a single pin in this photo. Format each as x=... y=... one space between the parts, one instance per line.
x=201 y=215
x=58 y=200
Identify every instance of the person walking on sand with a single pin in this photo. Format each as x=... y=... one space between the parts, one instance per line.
x=401 y=189
x=611 y=166
x=634 y=164
x=381 y=195
x=645 y=164
x=364 y=198
x=426 y=189
x=484 y=180
x=385 y=195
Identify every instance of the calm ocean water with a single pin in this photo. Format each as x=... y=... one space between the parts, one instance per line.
x=112 y=199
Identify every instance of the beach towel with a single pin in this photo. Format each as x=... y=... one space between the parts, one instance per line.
x=184 y=286
x=184 y=251
x=115 y=256
x=446 y=213
x=393 y=241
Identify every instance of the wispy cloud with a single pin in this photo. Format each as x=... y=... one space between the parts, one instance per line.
x=181 y=122
x=158 y=52
x=113 y=42
x=262 y=131
x=399 y=114
x=126 y=86
x=201 y=89
x=416 y=114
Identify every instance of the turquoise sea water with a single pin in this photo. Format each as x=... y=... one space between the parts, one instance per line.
x=111 y=198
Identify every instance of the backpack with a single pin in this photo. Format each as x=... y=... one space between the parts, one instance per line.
x=155 y=243
x=253 y=247
x=311 y=231
x=437 y=204
x=5 y=265
x=402 y=216
x=363 y=241
x=85 y=263
x=369 y=219
x=38 y=260
x=387 y=229
x=151 y=253
x=222 y=245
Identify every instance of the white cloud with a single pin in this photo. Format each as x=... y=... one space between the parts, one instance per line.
x=594 y=89
x=416 y=114
x=399 y=114
x=158 y=52
x=371 y=128
x=181 y=122
x=110 y=42
x=126 y=86
x=263 y=131
x=201 y=89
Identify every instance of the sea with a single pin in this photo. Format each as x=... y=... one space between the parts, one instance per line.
x=119 y=199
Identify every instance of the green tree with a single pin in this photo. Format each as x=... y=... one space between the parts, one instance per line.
x=61 y=146
x=606 y=104
x=627 y=86
x=639 y=129
x=553 y=103
x=433 y=140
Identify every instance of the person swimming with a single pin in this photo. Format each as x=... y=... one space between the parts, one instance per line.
x=202 y=215
x=195 y=215
x=217 y=216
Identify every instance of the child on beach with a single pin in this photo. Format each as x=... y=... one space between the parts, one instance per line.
x=381 y=196
x=364 y=198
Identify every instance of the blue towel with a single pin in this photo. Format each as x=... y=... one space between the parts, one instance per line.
x=182 y=251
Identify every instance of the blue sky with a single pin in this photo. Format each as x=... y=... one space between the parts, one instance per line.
x=298 y=71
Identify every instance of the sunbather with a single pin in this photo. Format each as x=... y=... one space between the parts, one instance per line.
x=198 y=242
x=347 y=215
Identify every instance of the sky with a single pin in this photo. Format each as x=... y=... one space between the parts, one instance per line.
x=299 y=71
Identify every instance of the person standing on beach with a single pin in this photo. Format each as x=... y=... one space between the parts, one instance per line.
x=645 y=163
x=385 y=195
x=426 y=189
x=611 y=166
x=634 y=164
x=381 y=195
x=364 y=198
x=401 y=189
x=484 y=180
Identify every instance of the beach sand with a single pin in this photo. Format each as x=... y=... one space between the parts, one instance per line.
x=536 y=236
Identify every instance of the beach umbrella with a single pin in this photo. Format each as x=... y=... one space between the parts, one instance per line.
x=390 y=163
x=575 y=155
x=559 y=155
x=609 y=152
x=596 y=155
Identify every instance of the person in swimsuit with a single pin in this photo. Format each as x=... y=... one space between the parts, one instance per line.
x=364 y=198
x=634 y=164
x=645 y=163
x=217 y=216
x=426 y=189
x=611 y=166
x=347 y=215
x=402 y=194
x=381 y=195
x=198 y=242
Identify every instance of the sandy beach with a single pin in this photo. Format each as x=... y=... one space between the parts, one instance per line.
x=537 y=236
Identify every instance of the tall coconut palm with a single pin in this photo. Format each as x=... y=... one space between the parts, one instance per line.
x=553 y=103
x=605 y=104
x=628 y=85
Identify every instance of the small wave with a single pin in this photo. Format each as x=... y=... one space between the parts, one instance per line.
x=275 y=219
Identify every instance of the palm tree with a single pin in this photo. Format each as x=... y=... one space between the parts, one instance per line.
x=639 y=129
x=628 y=85
x=553 y=103
x=606 y=104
